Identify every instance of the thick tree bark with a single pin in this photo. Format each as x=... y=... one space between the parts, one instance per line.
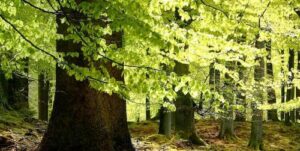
x=44 y=88
x=289 y=116
x=165 y=122
x=272 y=114
x=18 y=89
x=256 y=139
x=84 y=119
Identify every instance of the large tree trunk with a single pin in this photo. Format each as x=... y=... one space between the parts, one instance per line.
x=165 y=122
x=184 y=115
x=83 y=118
x=272 y=114
x=18 y=89
x=184 y=119
x=44 y=89
x=227 y=127
x=289 y=116
x=256 y=139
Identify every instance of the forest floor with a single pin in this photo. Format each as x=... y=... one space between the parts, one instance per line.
x=277 y=137
x=18 y=132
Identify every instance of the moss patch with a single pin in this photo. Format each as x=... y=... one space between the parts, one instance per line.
x=276 y=136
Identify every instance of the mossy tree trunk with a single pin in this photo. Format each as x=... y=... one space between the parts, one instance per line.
x=18 y=89
x=227 y=122
x=290 y=116
x=184 y=119
x=272 y=114
x=227 y=127
x=184 y=114
x=165 y=122
x=44 y=90
x=256 y=137
x=83 y=118
x=240 y=97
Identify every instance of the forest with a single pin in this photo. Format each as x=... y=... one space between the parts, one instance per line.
x=149 y=75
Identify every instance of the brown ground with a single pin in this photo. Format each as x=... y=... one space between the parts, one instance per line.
x=19 y=133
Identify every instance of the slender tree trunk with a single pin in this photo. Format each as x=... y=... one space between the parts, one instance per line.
x=148 y=109
x=241 y=99
x=289 y=116
x=84 y=119
x=214 y=82
x=282 y=89
x=256 y=138
x=272 y=114
x=165 y=122
x=298 y=87
x=184 y=115
x=3 y=90
x=18 y=89
x=227 y=122
x=44 y=88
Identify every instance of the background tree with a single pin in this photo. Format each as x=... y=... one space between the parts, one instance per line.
x=44 y=97
x=227 y=120
x=289 y=116
x=272 y=114
x=256 y=138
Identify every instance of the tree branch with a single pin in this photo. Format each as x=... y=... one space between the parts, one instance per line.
x=26 y=39
x=41 y=9
x=262 y=14
x=44 y=51
x=213 y=7
x=102 y=55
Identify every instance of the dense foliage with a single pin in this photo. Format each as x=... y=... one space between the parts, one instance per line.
x=157 y=34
